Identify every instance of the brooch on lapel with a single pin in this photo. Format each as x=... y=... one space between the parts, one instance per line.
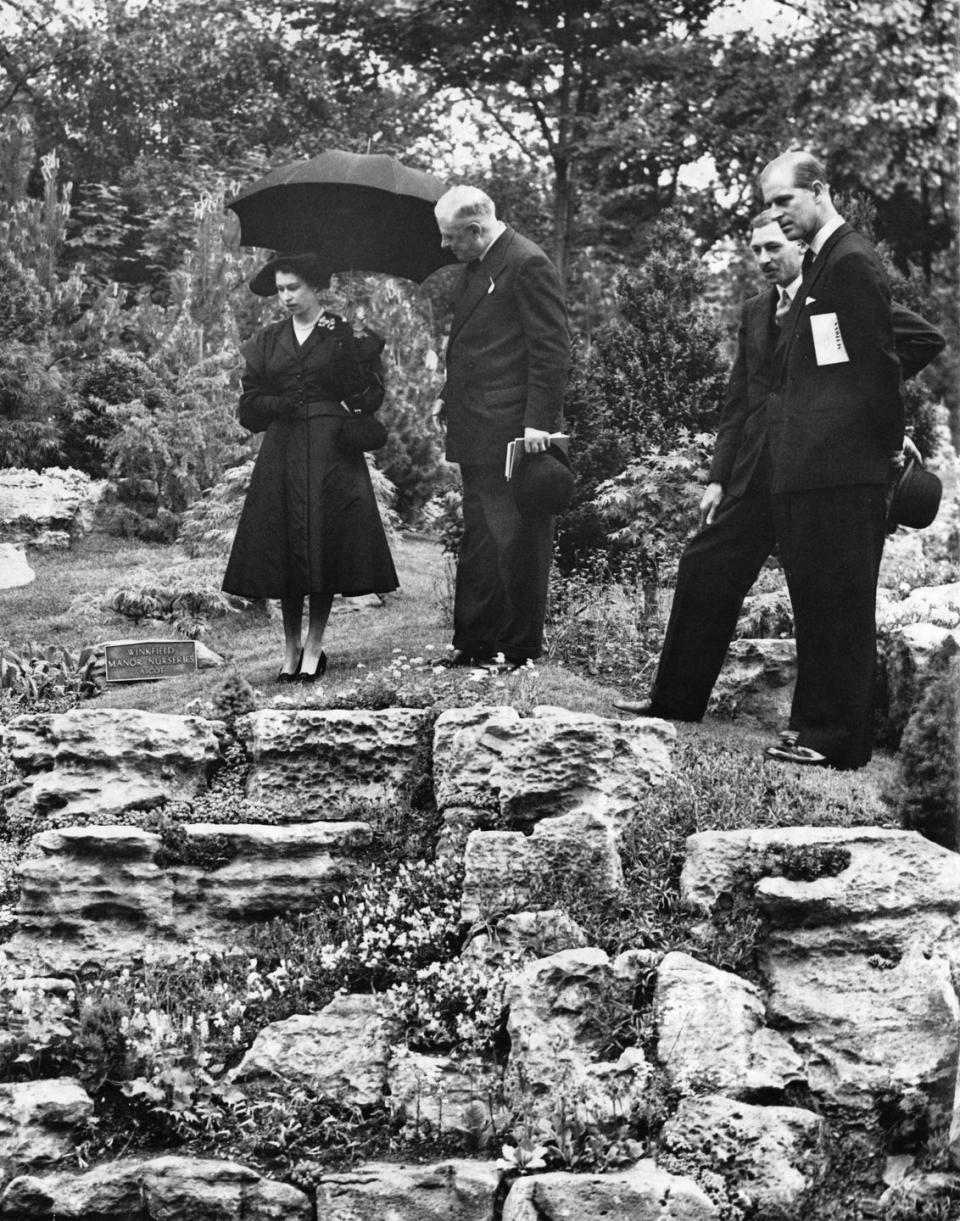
x=492 y=286
x=327 y=321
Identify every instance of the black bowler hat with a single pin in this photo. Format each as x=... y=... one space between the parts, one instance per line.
x=543 y=483
x=916 y=497
x=307 y=266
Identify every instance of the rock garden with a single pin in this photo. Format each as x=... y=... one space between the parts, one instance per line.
x=417 y=944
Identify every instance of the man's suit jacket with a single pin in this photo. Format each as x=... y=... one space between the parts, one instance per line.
x=508 y=353
x=837 y=424
x=739 y=456
x=739 y=452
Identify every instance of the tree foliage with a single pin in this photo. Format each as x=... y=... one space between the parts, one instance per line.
x=536 y=68
x=653 y=376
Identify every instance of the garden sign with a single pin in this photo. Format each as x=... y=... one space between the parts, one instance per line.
x=130 y=661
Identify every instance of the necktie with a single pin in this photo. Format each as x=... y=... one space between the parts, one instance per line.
x=783 y=307
x=808 y=258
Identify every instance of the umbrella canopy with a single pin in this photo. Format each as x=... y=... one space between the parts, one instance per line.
x=356 y=211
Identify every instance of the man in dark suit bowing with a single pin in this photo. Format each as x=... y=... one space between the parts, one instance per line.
x=507 y=361
x=744 y=521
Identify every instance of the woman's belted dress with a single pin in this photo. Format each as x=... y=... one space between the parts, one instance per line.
x=310 y=523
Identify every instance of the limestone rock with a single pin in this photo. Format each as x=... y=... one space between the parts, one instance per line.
x=642 y=1193
x=864 y=871
x=863 y=937
x=865 y=1024
x=904 y=562
x=457 y=1190
x=15 y=572
x=507 y=871
x=88 y=894
x=269 y=871
x=340 y=1052
x=771 y=1153
x=309 y=764
x=523 y=769
x=711 y=1033
x=538 y=934
x=36 y=1122
x=756 y=682
x=559 y=1011
x=921 y=1195
x=937 y=604
x=156 y=1189
x=105 y=895
x=46 y=510
x=206 y=658
x=442 y=1094
x=107 y=761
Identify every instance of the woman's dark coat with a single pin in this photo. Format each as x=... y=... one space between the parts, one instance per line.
x=310 y=523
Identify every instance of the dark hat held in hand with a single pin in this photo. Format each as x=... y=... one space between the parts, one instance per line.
x=916 y=497
x=543 y=483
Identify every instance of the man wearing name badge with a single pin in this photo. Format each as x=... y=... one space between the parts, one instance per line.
x=507 y=360
x=741 y=522
x=835 y=418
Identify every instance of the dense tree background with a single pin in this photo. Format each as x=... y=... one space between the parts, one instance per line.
x=124 y=125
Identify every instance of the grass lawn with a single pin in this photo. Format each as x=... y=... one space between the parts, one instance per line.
x=65 y=606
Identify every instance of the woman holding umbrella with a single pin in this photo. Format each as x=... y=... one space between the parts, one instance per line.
x=310 y=526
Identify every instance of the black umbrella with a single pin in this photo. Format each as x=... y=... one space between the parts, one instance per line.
x=356 y=211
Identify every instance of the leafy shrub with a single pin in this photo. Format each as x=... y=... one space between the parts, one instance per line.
x=161 y=434
x=116 y=378
x=443 y=515
x=209 y=524
x=652 y=375
x=185 y=606
x=411 y=459
x=33 y=388
x=35 y=673
x=232 y=697
x=929 y=798
x=601 y=622
x=650 y=509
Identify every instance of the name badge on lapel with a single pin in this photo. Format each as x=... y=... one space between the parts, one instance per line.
x=827 y=340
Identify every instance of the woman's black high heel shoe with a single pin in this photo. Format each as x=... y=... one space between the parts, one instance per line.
x=321 y=668
x=284 y=677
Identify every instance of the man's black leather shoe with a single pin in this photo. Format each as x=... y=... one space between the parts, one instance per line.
x=793 y=752
x=508 y=665
x=461 y=658
x=651 y=708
